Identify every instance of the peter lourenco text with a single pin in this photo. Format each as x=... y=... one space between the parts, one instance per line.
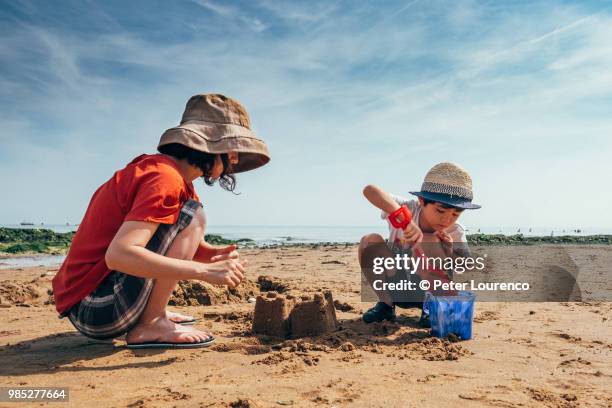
x=436 y=284
x=413 y=264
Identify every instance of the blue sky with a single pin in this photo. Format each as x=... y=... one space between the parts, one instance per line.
x=344 y=93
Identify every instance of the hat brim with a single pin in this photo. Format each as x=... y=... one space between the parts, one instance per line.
x=447 y=199
x=218 y=138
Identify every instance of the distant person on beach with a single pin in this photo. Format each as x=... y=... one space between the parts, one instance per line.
x=445 y=193
x=143 y=231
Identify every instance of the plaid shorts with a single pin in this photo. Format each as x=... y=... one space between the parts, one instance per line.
x=115 y=306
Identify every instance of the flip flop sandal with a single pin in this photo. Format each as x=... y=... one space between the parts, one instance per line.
x=159 y=344
x=189 y=322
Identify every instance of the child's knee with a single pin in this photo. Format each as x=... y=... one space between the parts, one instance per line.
x=200 y=218
x=366 y=246
x=370 y=239
x=198 y=222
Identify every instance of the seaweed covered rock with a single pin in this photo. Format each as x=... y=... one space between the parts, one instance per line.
x=520 y=239
x=38 y=240
x=219 y=240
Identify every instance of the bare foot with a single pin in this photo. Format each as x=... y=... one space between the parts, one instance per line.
x=178 y=317
x=166 y=331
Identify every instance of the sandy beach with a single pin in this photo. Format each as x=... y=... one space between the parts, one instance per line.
x=551 y=354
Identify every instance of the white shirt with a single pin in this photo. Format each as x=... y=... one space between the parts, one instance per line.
x=456 y=231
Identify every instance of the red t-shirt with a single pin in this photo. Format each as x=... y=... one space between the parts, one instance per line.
x=151 y=189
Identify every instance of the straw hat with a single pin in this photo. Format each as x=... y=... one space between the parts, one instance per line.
x=449 y=184
x=214 y=123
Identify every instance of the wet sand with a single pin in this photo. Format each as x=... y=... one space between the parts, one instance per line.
x=552 y=354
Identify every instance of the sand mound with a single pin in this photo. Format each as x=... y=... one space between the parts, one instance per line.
x=229 y=316
x=435 y=349
x=195 y=293
x=287 y=316
x=20 y=293
x=243 y=348
x=343 y=306
x=243 y=403
x=419 y=346
x=312 y=320
x=271 y=283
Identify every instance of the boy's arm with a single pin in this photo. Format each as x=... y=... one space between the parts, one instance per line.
x=384 y=201
x=380 y=198
x=127 y=253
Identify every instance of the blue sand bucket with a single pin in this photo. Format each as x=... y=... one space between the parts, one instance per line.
x=450 y=314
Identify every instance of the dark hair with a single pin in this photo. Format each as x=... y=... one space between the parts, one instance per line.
x=443 y=205
x=204 y=161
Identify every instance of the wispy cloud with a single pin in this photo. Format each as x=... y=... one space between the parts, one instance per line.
x=232 y=14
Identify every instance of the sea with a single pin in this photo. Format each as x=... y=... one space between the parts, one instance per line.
x=283 y=235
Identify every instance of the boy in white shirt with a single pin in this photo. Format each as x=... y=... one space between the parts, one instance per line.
x=445 y=193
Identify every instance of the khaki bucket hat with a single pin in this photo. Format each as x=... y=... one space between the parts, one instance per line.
x=450 y=184
x=216 y=124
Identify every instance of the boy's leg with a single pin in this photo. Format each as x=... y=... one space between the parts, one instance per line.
x=373 y=246
x=154 y=323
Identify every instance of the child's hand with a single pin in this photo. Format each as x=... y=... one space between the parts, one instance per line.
x=447 y=242
x=229 y=252
x=229 y=272
x=413 y=234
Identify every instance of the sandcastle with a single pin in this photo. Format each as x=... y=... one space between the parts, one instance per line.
x=287 y=316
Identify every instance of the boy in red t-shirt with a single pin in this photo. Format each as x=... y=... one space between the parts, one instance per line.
x=143 y=231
